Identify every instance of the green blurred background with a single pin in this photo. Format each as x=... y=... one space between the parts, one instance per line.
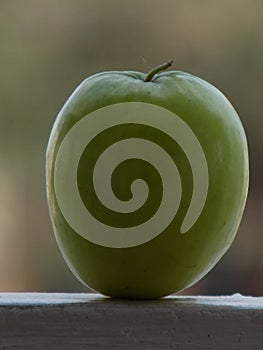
x=48 y=47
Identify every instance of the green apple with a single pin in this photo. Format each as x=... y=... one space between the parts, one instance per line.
x=147 y=179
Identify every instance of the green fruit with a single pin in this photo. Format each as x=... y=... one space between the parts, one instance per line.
x=147 y=179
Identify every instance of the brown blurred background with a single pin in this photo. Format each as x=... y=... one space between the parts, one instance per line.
x=48 y=47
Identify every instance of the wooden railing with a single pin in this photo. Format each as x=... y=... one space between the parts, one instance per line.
x=90 y=321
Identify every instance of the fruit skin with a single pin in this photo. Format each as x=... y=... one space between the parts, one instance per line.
x=171 y=261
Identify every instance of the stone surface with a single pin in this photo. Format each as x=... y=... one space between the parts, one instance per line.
x=91 y=321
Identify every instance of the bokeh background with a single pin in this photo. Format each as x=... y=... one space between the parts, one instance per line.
x=48 y=47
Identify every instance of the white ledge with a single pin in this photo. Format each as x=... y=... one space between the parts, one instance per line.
x=91 y=321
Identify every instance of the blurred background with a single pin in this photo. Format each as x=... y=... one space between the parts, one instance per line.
x=48 y=47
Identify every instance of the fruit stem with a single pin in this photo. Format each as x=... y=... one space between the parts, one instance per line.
x=156 y=70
